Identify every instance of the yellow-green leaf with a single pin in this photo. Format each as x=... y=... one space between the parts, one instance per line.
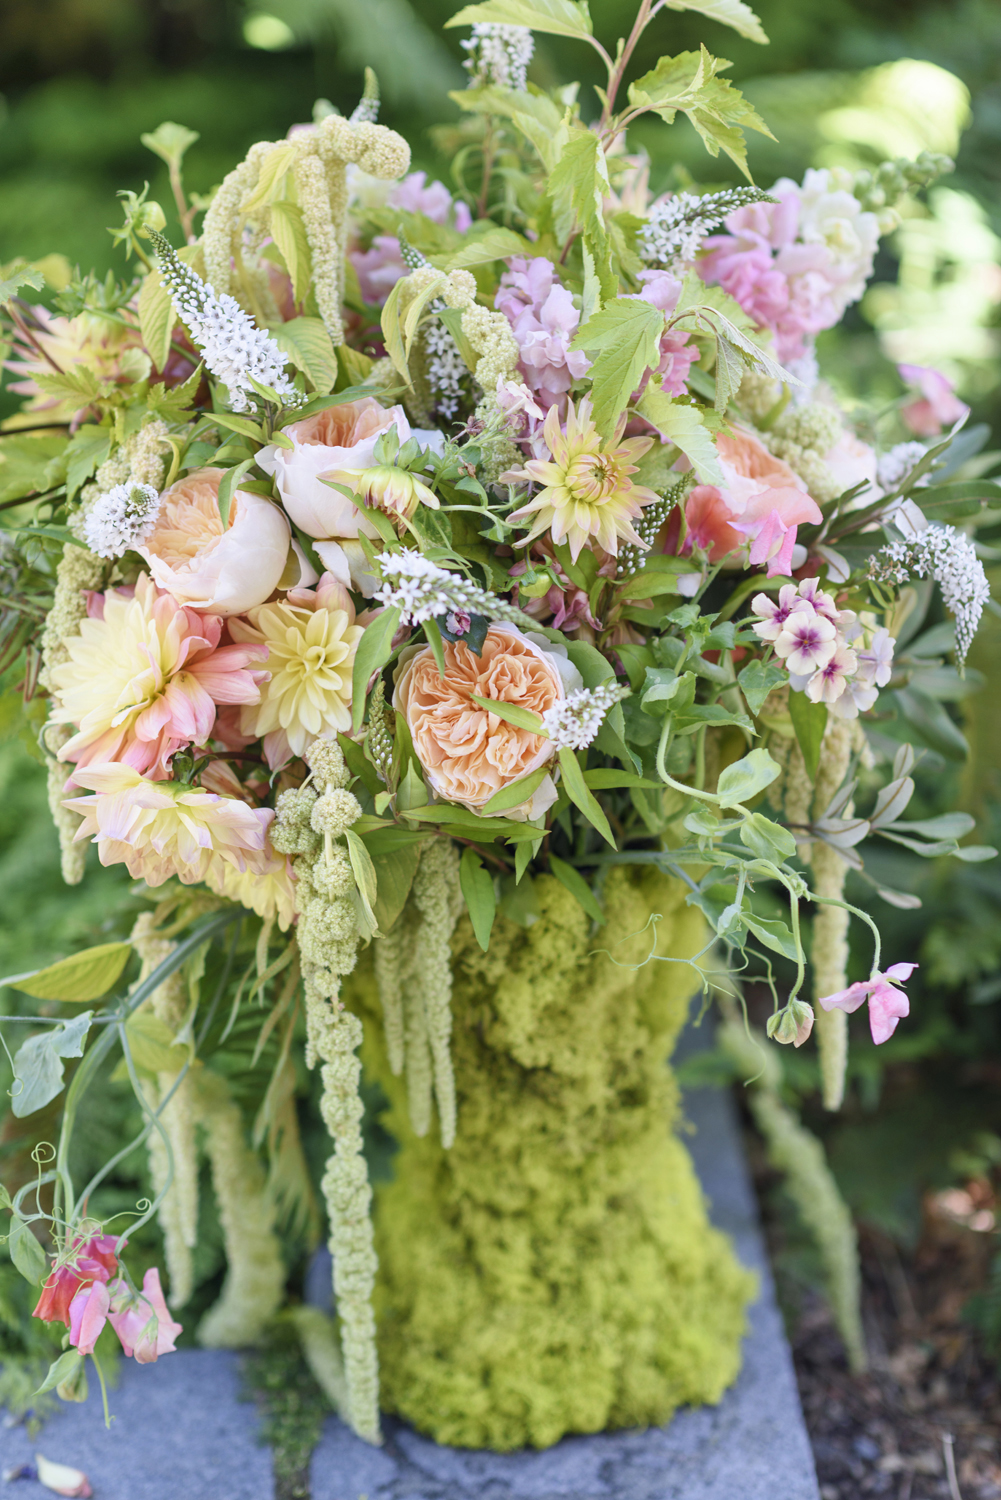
x=477 y=888
x=157 y=319
x=271 y=179
x=728 y=12
x=623 y=340
x=152 y=1045
x=81 y=977
x=577 y=886
x=557 y=17
x=515 y=793
x=307 y=344
x=682 y=424
x=289 y=234
x=521 y=718
x=582 y=797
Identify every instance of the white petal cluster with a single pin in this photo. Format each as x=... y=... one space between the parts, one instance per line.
x=498 y=55
x=121 y=519
x=235 y=349
x=423 y=591
x=573 y=722
x=446 y=369
x=676 y=227
x=894 y=466
x=948 y=556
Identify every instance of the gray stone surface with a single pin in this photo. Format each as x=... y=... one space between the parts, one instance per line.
x=753 y=1446
x=180 y=1433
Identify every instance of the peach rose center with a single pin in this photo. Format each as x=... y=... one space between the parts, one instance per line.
x=470 y=752
x=189 y=523
x=753 y=460
x=343 y=426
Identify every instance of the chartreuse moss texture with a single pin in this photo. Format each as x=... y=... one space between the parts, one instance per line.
x=555 y=1271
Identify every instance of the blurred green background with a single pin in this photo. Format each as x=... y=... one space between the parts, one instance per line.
x=843 y=82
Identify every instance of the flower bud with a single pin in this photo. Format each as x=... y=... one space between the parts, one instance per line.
x=396 y=491
x=793 y=1023
x=152 y=216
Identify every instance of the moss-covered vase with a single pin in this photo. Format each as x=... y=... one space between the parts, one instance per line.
x=555 y=1270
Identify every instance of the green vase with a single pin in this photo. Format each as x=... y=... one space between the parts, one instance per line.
x=555 y=1270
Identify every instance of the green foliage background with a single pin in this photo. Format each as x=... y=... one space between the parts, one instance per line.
x=82 y=79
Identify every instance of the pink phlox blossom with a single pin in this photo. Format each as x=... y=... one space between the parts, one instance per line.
x=937 y=405
x=774 y=613
x=875 y=661
x=887 y=1005
x=829 y=682
x=677 y=353
x=544 y=320
x=141 y=1320
x=806 y=642
x=381 y=266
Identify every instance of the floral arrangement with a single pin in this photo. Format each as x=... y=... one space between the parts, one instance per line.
x=379 y=544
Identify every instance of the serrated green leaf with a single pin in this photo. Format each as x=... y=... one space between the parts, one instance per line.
x=577 y=186
x=477 y=888
x=26 y=1253
x=745 y=778
x=496 y=244
x=682 y=424
x=157 y=319
x=81 y=977
x=25 y=276
x=689 y=84
x=582 y=797
x=578 y=887
x=87 y=448
x=557 y=17
x=623 y=341
x=289 y=233
x=729 y=13
x=374 y=650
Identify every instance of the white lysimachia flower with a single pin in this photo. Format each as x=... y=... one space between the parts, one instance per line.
x=574 y=721
x=423 y=591
x=446 y=369
x=676 y=227
x=894 y=466
x=499 y=55
x=236 y=351
x=121 y=519
x=948 y=556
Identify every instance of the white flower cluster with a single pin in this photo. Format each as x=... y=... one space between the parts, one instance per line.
x=446 y=369
x=235 y=349
x=675 y=228
x=831 y=215
x=948 y=556
x=423 y=591
x=121 y=518
x=498 y=55
x=574 y=721
x=894 y=466
x=829 y=654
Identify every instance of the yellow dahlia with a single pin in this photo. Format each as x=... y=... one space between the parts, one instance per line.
x=587 y=489
x=311 y=639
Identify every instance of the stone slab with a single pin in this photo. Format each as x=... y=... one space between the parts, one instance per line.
x=752 y=1446
x=179 y=1433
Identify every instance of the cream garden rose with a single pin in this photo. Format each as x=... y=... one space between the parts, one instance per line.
x=467 y=752
x=223 y=570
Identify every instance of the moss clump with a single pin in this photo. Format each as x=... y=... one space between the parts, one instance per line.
x=555 y=1270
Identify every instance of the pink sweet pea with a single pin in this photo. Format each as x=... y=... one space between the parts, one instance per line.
x=88 y=1315
x=142 y=1321
x=887 y=1004
x=938 y=405
x=94 y=1259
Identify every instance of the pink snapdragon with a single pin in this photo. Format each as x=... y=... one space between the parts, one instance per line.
x=887 y=1004
x=937 y=405
x=544 y=320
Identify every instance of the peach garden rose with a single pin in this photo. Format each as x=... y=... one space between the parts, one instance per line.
x=467 y=752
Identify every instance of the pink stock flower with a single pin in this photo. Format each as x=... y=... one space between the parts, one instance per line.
x=887 y=1005
x=806 y=642
x=379 y=268
x=937 y=406
x=759 y=507
x=544 y=319
x=141 y=1320
x=145 y=678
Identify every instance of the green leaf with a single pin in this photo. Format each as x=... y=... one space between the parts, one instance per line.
x=26 y=1253
x=374 y=650
x=289 y=234
x=25 y=276
x=170 y=142
x=307 y=344
x=689 y=84
x=766 y=839
x=515 y=793
x=682 y=424
x=929 y=720
x=243 y=425
x=81 y=977
x=557 y=17
x=157 y=319
x=496 y=244
x=729 y=13
x=229 y=484
x=61 y=1370
x=394 y=874
x=88 y=447
x=152 y=1044
x=582 y=797
x=578 y=887
x=38 y=1064
x=539 y=118
x=773 y=932
x=745 y=778
x=521 y=718
x=366 y=880
x=608 y=779
x=271 y=178
x=577 y=186
x=478 y=893
x=809 y=721
x=757 y=680
x=623 y=341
